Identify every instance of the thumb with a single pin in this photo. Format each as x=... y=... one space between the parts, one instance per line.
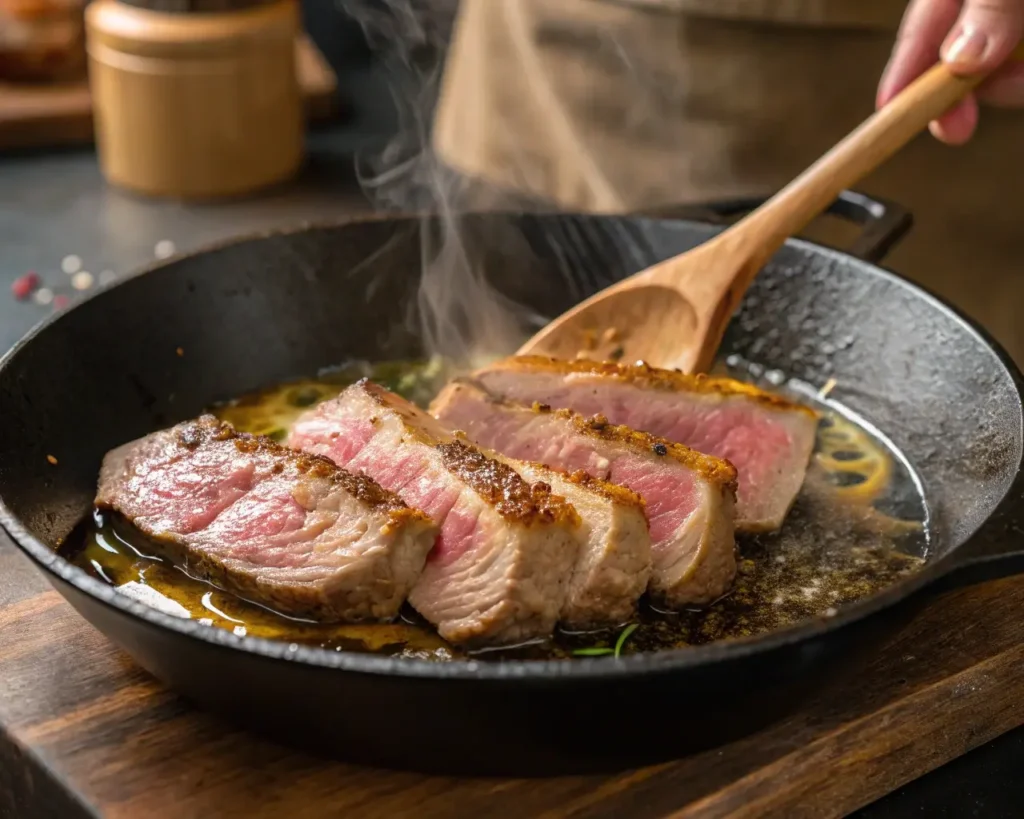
x=984 y=36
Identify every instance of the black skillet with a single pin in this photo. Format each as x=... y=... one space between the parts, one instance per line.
x=273 y=307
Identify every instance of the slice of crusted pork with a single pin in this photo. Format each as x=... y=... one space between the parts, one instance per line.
x=766 y=437
x=613 y=563
x=289 y=530
x=499 y=572
x=689 y=497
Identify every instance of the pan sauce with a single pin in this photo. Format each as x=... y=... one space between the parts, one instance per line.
x=859 y=524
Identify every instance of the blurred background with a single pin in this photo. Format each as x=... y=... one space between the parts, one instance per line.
x=66 y=229
x=206 y=119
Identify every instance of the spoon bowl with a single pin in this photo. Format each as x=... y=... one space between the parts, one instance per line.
x=615 y=326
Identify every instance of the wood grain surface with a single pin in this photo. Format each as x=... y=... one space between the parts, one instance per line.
x=42 y=115
x=83 y=732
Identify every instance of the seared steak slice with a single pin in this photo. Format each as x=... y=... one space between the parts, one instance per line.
x=500 y=569
x=689 y=496
x=613 y=564
x=282 y=528
x=767 y=438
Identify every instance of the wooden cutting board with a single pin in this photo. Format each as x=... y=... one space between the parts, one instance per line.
x=33 y=116
x=84 y=732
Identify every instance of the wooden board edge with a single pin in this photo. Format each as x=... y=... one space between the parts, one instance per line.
x=29 y=788
x=879 y=752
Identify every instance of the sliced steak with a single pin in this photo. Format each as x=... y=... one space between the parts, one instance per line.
x=689 y=497
x=767 y=438
x=613 y=564
x=499 y=572
x=282 y=528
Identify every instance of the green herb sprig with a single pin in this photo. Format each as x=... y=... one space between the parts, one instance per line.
x=603 y=651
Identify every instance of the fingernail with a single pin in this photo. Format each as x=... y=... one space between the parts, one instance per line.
x=966 y=47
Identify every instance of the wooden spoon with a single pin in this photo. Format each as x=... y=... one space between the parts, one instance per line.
x=674 y=314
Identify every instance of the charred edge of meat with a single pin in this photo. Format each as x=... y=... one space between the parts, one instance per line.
x=611 y=491
x=716 y=470
x=512 y=497
x=643 y=375
x=193 y=434
x=503 y=487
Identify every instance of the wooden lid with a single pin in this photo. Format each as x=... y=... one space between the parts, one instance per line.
x=196 y=6
x=128 y=28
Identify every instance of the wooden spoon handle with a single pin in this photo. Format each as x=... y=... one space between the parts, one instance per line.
x=787 y=213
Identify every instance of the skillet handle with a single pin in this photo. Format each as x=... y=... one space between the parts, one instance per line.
x=995 y=551
x=883 y=223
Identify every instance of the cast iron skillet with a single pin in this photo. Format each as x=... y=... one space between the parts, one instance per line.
x=277 y=306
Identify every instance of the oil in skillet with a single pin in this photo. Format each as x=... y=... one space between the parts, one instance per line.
x=857 y=526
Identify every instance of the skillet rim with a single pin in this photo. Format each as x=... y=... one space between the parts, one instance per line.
x=540 y=671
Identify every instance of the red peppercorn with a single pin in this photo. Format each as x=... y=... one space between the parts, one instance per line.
x=60 y=302
x=25 y=286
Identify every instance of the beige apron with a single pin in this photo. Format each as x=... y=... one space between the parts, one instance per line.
x=622 y=105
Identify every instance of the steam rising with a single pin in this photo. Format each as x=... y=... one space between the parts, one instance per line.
x=461 y=317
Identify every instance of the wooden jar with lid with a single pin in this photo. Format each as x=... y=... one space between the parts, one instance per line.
x=195 y=99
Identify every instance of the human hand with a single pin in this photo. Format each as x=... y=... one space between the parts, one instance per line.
x=971 y=36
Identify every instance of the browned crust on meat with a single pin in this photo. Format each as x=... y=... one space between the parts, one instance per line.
x=504 y=489
x=207 y=429
x=404 y=409
x=643 y=375
x=715 y=470
x=498 y=484
x=612 y=491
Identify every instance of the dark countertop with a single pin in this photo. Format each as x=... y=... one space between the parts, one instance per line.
x=55 y=205
x=985 y=783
